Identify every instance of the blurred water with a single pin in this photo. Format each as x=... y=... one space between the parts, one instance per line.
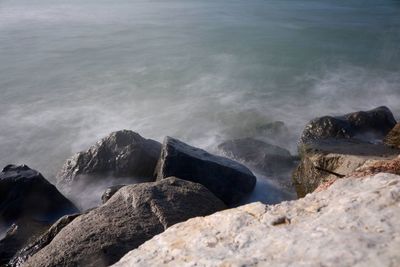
x=201 y=70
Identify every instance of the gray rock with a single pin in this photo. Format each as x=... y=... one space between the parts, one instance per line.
x=355 y=222
x=228 y=180
x=326 y=160
x=30 y=204
x=121 y=154
x=265 y=158
x=110 y=191
x=132 y=216
x=369 y=125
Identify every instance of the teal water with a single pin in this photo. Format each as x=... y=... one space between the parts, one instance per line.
x=203 y=71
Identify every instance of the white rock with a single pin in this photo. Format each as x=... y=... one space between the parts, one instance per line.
x=355 y=222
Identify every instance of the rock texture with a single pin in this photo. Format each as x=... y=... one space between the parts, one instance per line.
x=228 y=180
x=110 y=191
x=393 y=137
x=371 y=167
x=18 y=234
x=265 y=158
x=132 y=216
x=121 y=154
x=36 y=244
x=325 y=160
x=28 y=205
x=355 y=222
x=365 y=125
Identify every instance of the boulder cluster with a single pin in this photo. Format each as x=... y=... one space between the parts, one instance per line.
x=167 y=183
x=167 y=204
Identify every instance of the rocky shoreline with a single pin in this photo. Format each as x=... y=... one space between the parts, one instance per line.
x=176 y=205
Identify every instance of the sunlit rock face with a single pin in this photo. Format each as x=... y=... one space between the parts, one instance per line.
x=325 y=160
x=393 y=137
x=353 y=222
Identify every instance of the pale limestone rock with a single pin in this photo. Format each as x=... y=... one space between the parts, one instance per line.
x=354 y=222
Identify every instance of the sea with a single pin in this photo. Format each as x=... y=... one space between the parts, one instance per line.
x=203 y=71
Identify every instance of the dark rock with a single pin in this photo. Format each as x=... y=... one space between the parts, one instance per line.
x=110 y=191
x=228 y=180
x=19 y=233
x=121 y=154
x=265 y=158
x=132 y=216
x=393 y=137
x=41 y=241
x=24 y=192
x=329 y=159
x=369 y=125
x=30 y=204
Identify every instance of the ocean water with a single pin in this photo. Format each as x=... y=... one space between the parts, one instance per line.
x=204 y=71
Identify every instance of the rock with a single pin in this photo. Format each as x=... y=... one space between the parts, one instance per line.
x=325 y=160
x=24 y=192
x=393 y=137
x=121 y=154
x=230 y=181
x=371 y=167
x=29 y=204
x=41 y=241
x=352 y=223
x=110 y=191
x=132 y=216
x=265 y=158
x=270 y=162
x=365 y=125
x=18 y=234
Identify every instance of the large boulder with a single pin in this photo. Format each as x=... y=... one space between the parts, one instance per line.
x=121 y=154
x=365 y=125
x=272 y=163
x=24 y=192
x=326 y=160
x=228 y=180
x=393 y=137
x=132 y=216
x=28 y=205
x=267 y=159
x=355 y=222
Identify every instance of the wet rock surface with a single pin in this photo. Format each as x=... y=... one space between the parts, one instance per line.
x=120 y=154
x=354 y=222
x=129 y=218
x=18 y=234
x=29 y=204
x=368 y=125
x=268 y=161
x=228 y=180
x=40 y=241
